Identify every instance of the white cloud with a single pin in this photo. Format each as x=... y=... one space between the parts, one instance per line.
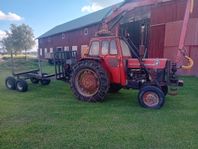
x=2 y=34
x=9 y=16
x=95 y=5
x=91 y=8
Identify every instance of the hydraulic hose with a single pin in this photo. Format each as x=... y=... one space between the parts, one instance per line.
x=190 y=63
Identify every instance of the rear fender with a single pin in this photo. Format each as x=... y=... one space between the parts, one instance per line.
x=98 y=60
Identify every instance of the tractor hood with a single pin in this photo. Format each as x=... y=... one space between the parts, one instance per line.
x=149 y=63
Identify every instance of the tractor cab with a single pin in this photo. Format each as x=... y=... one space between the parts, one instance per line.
x=112 y=52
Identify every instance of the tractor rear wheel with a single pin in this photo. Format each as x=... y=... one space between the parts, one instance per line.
x=114 y=88
x=89 y=81
x=151 y=97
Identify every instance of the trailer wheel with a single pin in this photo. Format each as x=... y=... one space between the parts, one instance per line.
x=21 y=85
x=89 y=81
x=114 y=88
x=151 y=97
x=45 y=81
x=34 y=80
x=10 y=83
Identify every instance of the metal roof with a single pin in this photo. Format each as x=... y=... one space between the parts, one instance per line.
x=84 y=21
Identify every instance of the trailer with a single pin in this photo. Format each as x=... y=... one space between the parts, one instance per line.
x=63 y=61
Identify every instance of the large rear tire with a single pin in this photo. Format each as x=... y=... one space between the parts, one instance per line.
x=89 y=81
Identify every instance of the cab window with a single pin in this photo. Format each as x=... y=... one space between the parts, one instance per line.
x=105 y=47
x=94 y=50
x=125 y=49
x=113 y=48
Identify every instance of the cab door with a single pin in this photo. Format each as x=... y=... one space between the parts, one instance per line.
x=110 y=54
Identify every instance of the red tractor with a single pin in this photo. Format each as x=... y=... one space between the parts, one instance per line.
x=111 y=64
x=109 y=67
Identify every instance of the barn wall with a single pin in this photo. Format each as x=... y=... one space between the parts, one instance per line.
x=72 y=38
x=167 y=18
x=162 y=15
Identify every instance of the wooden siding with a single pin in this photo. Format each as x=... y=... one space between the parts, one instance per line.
x=168 y=17
x=156 y=42
x=72 y=38
x=171 y=11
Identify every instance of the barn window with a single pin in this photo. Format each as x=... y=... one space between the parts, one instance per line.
x=94 y=50
x=45 y=50
x=113 y=48
x=51 y=50
x=49 y=39
x=66 y=48
x=86 y=31
x=74 y=48
x=63 y=36
x=41 y=51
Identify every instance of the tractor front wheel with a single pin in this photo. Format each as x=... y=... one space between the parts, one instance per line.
x=151 y=97
x=89 y=81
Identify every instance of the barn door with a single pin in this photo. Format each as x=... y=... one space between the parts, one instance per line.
x=156 y=41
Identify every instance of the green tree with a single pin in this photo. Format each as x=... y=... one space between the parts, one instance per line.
x=7 y=42
x=20 y=38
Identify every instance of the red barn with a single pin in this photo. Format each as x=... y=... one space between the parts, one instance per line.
x=162 y=24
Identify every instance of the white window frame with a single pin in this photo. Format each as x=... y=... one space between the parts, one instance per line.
x=66 y=48
x=63 y=36
x=86 y=31
x=41 y=52
x=51 y=50
x=46 y=51
x=74 y=48
x=62 y=48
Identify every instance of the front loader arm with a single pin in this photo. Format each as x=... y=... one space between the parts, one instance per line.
x=181 y=51
x=122 y=10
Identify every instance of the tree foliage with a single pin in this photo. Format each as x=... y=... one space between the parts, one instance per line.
x=19 y=38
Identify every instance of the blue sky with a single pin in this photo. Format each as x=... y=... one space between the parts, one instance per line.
x=43 y=15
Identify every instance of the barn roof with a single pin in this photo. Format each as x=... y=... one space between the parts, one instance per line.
x=84 y=21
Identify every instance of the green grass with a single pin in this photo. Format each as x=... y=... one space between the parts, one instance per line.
x=50 y=117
